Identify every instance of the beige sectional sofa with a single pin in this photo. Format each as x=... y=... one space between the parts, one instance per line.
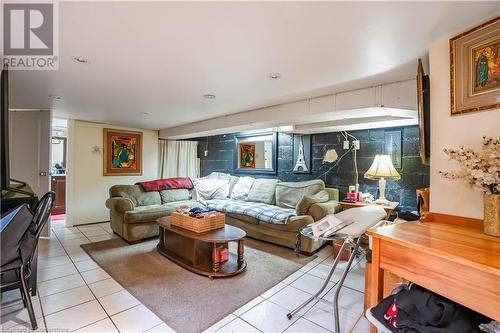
x=133 y=211
x=288 y=195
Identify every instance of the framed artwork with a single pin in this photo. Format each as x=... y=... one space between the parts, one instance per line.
x=393 y=147
x=475 y=68
x=423 y=102
x=247 y=155
x=122 y=152
x=256 y=153
x=301 y=153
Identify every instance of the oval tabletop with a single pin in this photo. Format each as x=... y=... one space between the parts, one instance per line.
x=226 y=234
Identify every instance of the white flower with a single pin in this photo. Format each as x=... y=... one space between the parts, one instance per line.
x=480 y=169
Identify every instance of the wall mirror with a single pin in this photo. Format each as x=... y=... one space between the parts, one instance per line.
x=256 y=153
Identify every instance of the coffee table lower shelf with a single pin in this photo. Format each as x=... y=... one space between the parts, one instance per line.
x=199 y=252
x=228 y=268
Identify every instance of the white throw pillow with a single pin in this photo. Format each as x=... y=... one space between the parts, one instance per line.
x=241 y=188
x=210 y=189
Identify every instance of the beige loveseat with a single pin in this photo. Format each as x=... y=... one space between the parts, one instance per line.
x=133 y=211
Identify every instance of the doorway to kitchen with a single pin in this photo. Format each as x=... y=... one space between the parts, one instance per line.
x=59 y=168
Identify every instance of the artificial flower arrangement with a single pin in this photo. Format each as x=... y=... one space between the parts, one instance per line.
x=481 y=169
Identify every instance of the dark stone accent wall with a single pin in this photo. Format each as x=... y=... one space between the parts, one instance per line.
x=413 y=173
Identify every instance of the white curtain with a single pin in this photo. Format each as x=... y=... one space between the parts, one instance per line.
x=178 y=159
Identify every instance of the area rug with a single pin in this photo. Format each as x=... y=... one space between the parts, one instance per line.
x=188 y=302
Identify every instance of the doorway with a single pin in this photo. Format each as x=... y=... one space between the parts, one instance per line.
x=58 y=168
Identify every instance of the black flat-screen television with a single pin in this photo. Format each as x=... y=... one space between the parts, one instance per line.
x=4 y=154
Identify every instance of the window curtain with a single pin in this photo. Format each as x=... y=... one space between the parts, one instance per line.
x=178 y=159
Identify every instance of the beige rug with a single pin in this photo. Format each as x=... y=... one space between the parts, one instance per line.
x=188 y=302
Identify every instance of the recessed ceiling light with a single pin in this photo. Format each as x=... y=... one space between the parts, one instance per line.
x=56 y=97
x=274 y=75
x=209 y=96
x=81 y=60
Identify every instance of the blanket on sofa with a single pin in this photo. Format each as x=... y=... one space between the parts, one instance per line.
x=167 y=184
x=261 y=211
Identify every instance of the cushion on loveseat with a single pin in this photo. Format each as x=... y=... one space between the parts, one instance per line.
x=288 y=194
x=241 y=188
x=208 y=189
x=263 y=190
x=136 y=194
x=259 y=210
x=174 y=195
x=321 y=209
x=145 y=214
x=244 y=218
x=308 y=200
x=172 y=206
x=120 y=204
x=293 y=225
x=232 y=181
x=153 y=212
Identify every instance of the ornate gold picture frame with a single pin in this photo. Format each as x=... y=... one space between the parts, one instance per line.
x=423 y=102
x=122 y=152
x=475 y=68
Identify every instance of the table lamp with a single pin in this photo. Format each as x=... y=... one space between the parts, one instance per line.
x=382 y=169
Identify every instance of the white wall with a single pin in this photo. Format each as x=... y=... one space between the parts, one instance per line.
x=87 y=188
x=453 y=197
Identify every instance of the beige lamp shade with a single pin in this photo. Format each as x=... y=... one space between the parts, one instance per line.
x=382 y=167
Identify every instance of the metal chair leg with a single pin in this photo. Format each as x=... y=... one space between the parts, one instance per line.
x=335 y=263
x=27 y=299
x=341 y=283
x=18 y=275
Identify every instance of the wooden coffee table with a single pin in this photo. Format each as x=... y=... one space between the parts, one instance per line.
x=197 y=251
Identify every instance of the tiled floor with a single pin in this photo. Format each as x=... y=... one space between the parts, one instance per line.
x=74 y=294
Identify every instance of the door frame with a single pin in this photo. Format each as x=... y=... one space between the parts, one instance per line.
x=43 y=164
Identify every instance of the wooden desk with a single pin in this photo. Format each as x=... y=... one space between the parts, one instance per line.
x=449 y=255
x=388 y=208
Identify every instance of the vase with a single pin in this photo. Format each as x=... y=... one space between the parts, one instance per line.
x=492 y=214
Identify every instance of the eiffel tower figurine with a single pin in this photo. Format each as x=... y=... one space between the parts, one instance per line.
x=300 y=165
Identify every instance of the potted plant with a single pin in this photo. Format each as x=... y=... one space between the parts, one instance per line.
x=481 y=169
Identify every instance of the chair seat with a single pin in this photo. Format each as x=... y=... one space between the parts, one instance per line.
x=8 y=277
x=11 y=265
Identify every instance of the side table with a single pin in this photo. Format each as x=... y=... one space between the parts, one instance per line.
x=388 y=208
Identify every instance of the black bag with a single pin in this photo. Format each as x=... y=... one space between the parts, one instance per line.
x=14 y=238
x=422 y=311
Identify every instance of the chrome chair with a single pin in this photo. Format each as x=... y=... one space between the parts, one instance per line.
x=357 y=221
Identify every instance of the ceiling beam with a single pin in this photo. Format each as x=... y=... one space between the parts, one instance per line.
x=396 y=99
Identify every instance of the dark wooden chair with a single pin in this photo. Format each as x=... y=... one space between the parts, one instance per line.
x=16 y=262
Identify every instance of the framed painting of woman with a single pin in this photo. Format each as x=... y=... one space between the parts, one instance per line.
x=122 y=152
x=475 y=68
